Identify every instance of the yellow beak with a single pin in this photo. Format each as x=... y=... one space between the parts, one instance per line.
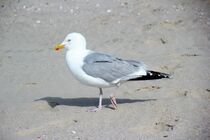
x=58 y=47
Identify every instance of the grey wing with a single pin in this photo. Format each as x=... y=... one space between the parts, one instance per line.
x=108 y=67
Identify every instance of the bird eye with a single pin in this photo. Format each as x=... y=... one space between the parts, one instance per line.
x=69 y=40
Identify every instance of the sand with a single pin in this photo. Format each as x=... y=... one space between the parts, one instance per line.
x=40 y=100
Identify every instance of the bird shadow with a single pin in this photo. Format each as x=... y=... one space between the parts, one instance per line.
x=86 y=102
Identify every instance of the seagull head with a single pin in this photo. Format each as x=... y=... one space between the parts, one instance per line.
x=72 y=41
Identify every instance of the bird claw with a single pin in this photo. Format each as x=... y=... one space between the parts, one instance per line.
x=94 y=109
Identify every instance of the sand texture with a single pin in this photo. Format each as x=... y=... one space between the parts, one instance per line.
x=40 y=100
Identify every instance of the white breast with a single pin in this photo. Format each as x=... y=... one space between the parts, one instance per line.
x=75 y=62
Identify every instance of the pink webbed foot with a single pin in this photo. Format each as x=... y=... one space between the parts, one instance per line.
x=94 y=109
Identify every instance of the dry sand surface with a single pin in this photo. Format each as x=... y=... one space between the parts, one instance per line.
x=40 y=100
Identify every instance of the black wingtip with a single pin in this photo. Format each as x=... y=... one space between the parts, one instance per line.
x=152 y=75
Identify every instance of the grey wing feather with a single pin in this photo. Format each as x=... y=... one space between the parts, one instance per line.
x=137 y=63
x=108 y=67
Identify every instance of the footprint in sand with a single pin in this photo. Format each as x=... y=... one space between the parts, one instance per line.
x=151 y=88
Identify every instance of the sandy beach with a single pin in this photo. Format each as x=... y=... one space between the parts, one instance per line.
x=41 y=100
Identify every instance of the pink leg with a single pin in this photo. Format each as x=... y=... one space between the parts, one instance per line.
x=113 y=101
x=100 y=102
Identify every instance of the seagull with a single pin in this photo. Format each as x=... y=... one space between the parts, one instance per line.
x=102 y=70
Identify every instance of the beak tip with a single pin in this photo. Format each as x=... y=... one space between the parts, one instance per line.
x=58 y=47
